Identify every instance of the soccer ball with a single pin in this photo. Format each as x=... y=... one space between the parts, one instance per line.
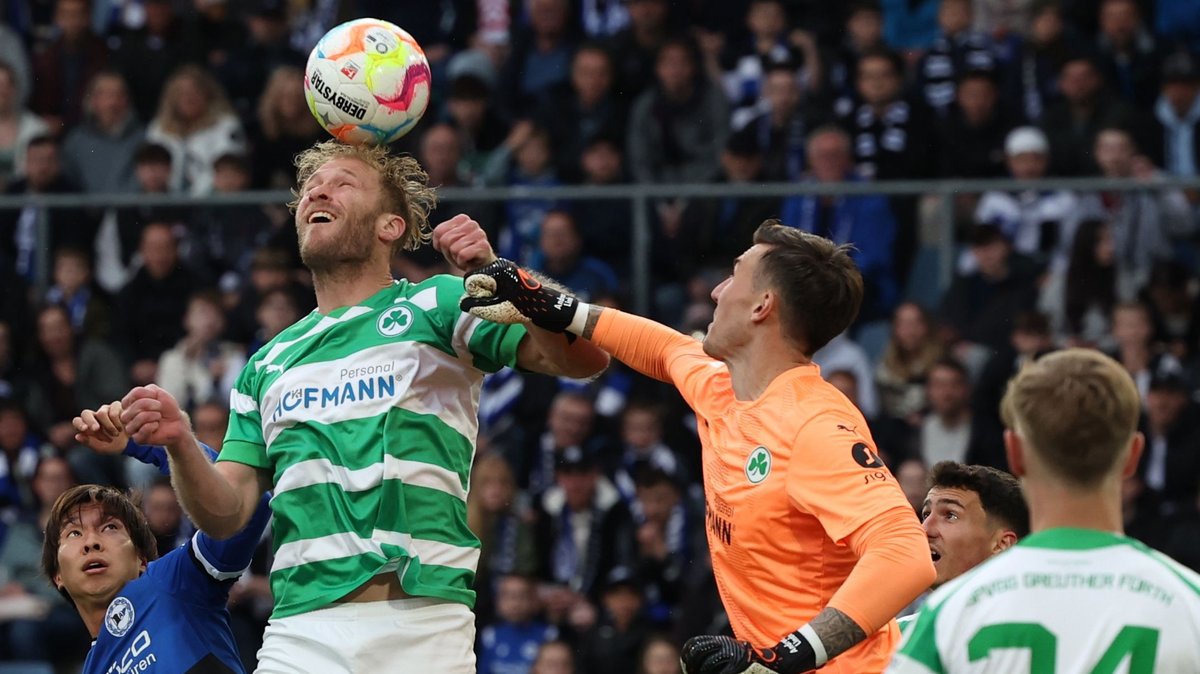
x=367 y=81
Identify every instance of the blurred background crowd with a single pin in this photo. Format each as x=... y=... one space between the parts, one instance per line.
x=586 y=495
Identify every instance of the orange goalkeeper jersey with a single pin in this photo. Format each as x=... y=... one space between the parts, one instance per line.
x=787 y=478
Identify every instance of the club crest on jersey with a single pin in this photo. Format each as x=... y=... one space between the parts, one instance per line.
x=119 y=617
x=394 y=321
x=758 y=465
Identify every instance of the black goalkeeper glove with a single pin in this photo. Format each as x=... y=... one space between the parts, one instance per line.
x=503 y=292
x=726 y=655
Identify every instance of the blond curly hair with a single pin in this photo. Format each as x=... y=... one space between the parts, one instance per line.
x=405 y=184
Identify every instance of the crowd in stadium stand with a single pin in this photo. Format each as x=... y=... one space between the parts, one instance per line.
x=586 y=495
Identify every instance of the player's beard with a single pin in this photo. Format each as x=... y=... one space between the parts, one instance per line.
x=345 y=251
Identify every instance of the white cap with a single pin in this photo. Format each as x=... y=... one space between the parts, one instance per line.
x=1025 y=139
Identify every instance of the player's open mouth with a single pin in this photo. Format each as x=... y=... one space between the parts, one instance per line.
x=320 y=218
x=94 y=567
x=936 y=555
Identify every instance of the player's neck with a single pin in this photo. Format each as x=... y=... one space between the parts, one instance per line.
x=92 y=614
x=1052 y=506
x=754 y=367
x=349 y=286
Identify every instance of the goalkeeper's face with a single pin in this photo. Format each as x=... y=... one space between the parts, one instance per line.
x=736 y=299
x=337 y=214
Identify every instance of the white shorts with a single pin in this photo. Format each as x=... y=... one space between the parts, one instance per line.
x=399 y=636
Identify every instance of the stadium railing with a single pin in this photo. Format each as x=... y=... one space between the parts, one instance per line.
x=640 y=196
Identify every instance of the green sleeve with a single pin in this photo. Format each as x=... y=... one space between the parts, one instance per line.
x=920 y=644
x=244 y=442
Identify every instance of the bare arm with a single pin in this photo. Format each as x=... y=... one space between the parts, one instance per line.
x=220 y=498
x=551 y=353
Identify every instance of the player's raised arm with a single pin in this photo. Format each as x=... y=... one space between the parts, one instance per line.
x=504 y=292
x=465 y=245
x=220 y=498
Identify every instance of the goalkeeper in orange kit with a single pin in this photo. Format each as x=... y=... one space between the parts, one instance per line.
x=814 y=547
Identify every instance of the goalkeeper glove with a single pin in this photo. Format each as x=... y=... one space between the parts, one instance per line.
x=725 y=655
x=503 y=292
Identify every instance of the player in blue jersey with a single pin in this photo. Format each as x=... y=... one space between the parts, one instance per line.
x=146 y=613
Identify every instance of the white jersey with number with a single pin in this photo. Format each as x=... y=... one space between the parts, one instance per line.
x=1062 y=601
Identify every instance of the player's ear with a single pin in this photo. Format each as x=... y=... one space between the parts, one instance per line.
x=1014 y=451
x=1136 y=445
x=391 y=227
x=767 y=302
x=1004 y=541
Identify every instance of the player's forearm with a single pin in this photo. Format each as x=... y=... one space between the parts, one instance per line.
x=638 y=342
x=836 y=631
x=208 y=497
x=554 y=354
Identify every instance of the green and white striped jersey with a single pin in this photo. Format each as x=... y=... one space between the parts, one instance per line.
x=367 y=420
x=1061 y=601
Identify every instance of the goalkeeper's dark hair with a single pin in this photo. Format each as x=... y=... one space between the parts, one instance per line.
x=820 y=286
x=999 y=492
x=113 y=503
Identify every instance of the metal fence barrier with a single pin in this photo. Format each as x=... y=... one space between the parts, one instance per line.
x=640 y=197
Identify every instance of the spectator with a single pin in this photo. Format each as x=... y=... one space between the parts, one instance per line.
x=510 y=643
x=271 y=269
x=501 y=516
x=283 y=127
x=556 y=657
x=1145 y=222
x=956 y=50
x=971 y=139
x=196 y=124
x=63 y=66
x=603 y=19
x=678 y=127
x=1170 y=467
x=862 y=32
x=20 y=451
x=912 y=476
x=219 y=34
x=561 y=256
x=979 y=307
x=151 y=52
x=42 y=627
x=277 y=310
x=221 y=239
x=569 y=423
x=252 y=61
x=1128 y=54
x=525 y=159
x=164 y=514
x=479 y=126
x=70 y=374
x=65 y=227
x=98 y=154
x=636 y=47
x=11 y=384
x=583 y=530
x=911 y=351
x=210 y=421
x=1170 y=296
x=88 y=306
x=1040 y=223
x=642 y=448
x=150 y=308
x=909 y=25
x=779 y=132
x=602 y=163
x=1080 y=297
x=1136 y=350
x=1004 y=18
x=660 y=655
x=17 y=127
x=586 y=108
x=946 y=429
x=201 y=368
x=121 y=228
x=742 y=67
x=613 y=644
x=1031 y=75
x=1175 y=141
x=13 y=55
x=540 y=57
x=865 y=221
x=668 y=534
x=1072 y=123
x=843 y=354
x=1176 y=23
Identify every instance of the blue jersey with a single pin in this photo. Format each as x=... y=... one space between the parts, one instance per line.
x=172 y=619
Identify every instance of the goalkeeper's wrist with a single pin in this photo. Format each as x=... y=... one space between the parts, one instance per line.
x=579 y=320
x=801 y=651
